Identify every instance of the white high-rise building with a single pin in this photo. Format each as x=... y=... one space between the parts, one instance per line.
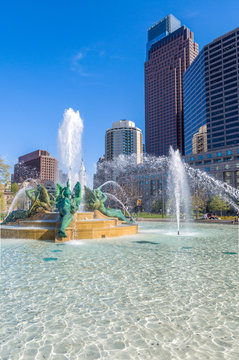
x=123 y=138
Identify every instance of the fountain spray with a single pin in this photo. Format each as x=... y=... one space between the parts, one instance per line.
x=70 y=146
x=178 y=186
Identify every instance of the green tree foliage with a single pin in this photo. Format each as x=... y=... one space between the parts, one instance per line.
x=218 y=204
x=199 y=200
x=2 y=201
x=14 y=188
x=156 y=206
x=4 y=172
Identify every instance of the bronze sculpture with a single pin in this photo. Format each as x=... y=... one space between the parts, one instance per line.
x=67 y=204
x=41 y=200
x=95 y=200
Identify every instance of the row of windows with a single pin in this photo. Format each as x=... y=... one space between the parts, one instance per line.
x=217 y=44
x=220 y=102
x=219 y=64
x=232 y=122
x=220 y=79
x=209 y=156
x=216 y=91
x=220 y=84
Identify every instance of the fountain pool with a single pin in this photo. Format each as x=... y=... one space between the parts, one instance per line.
x=152 y=296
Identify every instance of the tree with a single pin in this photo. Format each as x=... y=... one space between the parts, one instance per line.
x=14 y=188
x=199 y=200
x=4 y=173
x=217 y=203
x=157 y=205
x=2 y=201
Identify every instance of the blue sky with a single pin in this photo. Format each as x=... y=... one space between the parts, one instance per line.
x=88 y=56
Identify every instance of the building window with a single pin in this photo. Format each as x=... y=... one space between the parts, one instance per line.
x=209 y=156
x=207 y=169
x=192 y=158
x=219 y=153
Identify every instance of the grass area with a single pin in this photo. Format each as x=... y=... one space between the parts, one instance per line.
x=146 y=215
x=149 y=215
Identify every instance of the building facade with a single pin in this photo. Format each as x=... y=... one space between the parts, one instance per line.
x=124 y=138
x=170 y=51
x=37 y=165
x=211 y=91
x=194 y=103
x=199 y=141
x=222 y=164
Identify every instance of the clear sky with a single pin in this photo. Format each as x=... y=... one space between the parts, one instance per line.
x=88 y=55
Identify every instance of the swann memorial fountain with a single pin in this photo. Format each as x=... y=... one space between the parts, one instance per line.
x=59 y=218
x=41 y=222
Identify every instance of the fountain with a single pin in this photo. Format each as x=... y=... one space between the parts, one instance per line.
x=21 y=195
x=113 y=197
x=178 y=188
x=40 y=222
x=70 y=146
x=114 y=184
x=178 y=177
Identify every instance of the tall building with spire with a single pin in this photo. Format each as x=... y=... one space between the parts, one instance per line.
x=170 y=51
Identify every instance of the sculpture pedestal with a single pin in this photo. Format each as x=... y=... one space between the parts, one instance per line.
x=87 y=225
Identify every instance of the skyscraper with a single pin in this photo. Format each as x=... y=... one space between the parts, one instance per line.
x=170 y=51
x=211 y=94
x=123 y=138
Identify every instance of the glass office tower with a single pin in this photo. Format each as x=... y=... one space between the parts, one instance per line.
x=195 y=119
x=211 y=90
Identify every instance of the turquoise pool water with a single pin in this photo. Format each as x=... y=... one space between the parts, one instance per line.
x=150 y=296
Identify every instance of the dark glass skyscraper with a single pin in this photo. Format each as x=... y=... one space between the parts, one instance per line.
x=211 y=91
x=170 y=51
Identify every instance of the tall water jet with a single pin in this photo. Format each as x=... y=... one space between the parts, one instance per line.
x=70 y=146
x=178 y=188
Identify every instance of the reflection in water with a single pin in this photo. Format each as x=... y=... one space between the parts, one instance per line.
x=145 y=242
